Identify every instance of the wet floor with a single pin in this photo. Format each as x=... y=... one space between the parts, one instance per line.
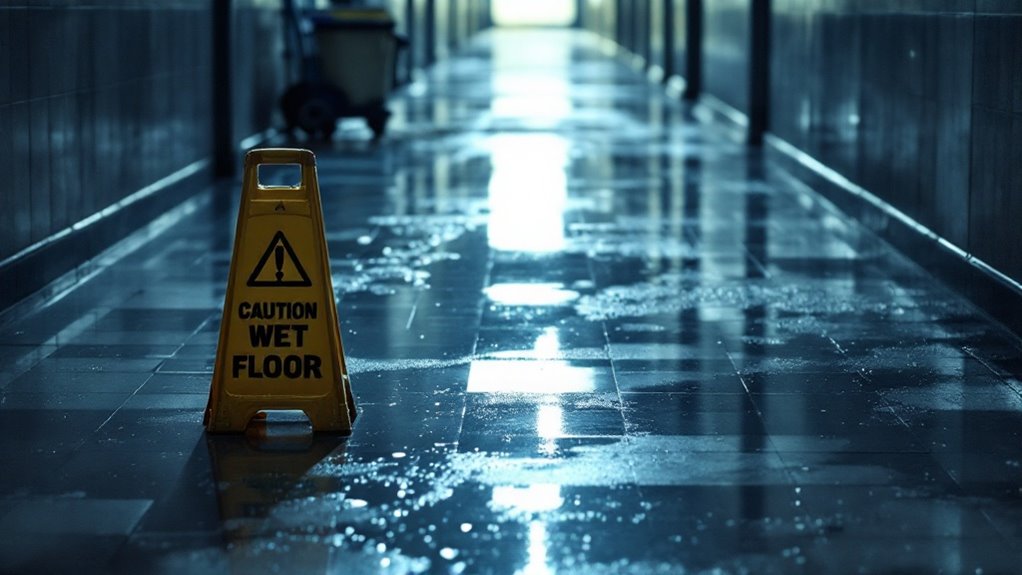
x=588 y=333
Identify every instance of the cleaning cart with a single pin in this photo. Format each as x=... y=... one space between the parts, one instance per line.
x=347 y=70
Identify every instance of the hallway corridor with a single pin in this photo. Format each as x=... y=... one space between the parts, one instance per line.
x=589 y=331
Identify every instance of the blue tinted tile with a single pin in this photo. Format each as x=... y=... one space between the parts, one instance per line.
x=75 y=515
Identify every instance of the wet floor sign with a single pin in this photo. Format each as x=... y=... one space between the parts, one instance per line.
x=280 y=346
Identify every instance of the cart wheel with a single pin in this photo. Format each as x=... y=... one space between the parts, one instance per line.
x=377 y=122
x=329 y=129
x=316 y=114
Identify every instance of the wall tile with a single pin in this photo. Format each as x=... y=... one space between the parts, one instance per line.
x=85 y=35
x=917 y=102
x=59 y=151
x=39 y=37
x=7 y=215
x=955 y=55
x=656 y=32
x=726 y=55
x=442 y=37
x=18 y=187
x=952 y=174
x=994 y=204
x=641 y=28
x=86 y=119
x=20 y=54
x=61 y=67
x=992 y=82
x=998 y=7
x=39 y=168
x=5 y=56
x=680 y=36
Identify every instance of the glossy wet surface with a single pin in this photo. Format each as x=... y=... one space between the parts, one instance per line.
x=587 y=334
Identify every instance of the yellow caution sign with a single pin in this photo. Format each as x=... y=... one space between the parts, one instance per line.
x=280 y=345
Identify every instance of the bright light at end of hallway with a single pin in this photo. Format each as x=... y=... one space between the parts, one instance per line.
x=533 y=12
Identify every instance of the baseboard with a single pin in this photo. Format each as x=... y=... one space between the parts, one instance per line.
x=709 y=109
x=717 y=110
x=993 y=292
x=62 y=259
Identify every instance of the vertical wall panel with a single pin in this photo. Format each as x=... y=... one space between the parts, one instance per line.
x=657 y=36
x=680 y=33
x=640 y=29
x=6 y=167
x=441 y=27
x=726 y=51
x=17 y=192
x=5 y=57
x=598 y=17
x=831 y=102
x=418 y=34
x=996 y=162
x=687 y=44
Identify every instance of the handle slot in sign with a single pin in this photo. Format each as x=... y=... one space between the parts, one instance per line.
x=279 y=176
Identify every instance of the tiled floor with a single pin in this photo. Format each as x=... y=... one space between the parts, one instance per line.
x=588 y=334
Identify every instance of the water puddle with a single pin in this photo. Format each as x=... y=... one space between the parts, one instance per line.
x=672 y=293
x=408 y=246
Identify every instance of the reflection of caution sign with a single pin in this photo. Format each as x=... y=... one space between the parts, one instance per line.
x=286 y=270
x=280 y=345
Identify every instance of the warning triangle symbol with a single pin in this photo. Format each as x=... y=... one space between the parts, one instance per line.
x=279 y=266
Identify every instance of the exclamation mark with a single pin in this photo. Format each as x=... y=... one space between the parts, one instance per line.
x=278 y=255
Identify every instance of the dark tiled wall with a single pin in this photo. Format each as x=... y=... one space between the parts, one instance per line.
x=920 y=103
x=995 y=204
x=97 y=100
x=100 y=99
x=726 y=51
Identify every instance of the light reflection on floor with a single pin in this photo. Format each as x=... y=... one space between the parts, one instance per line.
x=528 y=193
